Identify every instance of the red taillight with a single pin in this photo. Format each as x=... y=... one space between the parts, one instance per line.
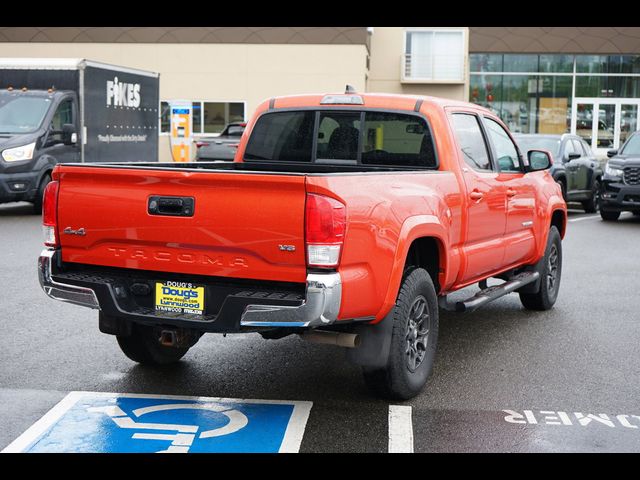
x=201 y=144
x=50 y=214
x=325 y=224
x=234 y=145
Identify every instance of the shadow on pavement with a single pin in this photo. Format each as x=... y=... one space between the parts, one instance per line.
x=16 y=209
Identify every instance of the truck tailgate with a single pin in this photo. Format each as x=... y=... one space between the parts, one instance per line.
x=239 y=222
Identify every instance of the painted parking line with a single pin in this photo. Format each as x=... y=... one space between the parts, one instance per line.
x=97 y=422
x=591 y=217
x=400 y=429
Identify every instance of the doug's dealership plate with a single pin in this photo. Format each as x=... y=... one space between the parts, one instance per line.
x=180 y=297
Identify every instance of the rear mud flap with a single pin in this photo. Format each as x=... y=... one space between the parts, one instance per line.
x=375 y=341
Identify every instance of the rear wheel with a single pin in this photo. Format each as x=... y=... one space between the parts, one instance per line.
x=550 y=273
x=609 y=216
x=593 y=204
x=37 y=202
x=636 y=213
x=413 y=340
x=143 y=346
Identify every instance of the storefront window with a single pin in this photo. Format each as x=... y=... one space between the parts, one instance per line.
x=526 y=103
x=556 y=63
x=608 y=63
x=520 y=63
x=603 y=86
x=208 y=117
x=485 y=62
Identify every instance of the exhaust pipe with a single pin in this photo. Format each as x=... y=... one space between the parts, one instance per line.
x=168 y=338
x=348 y=340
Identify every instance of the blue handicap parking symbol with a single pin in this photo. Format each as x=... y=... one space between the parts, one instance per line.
x=119 y=423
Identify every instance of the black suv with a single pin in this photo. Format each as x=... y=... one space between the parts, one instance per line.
x=621 y=182
x=574 y=167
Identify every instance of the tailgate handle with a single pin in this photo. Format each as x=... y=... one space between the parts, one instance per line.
x=171 y=206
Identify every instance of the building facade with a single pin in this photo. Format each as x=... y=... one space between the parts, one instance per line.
x=538 y=79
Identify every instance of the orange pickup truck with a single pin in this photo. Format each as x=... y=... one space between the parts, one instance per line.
x=345 y=218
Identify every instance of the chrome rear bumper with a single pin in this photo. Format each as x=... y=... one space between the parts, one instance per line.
x=320 y=308
x=324 y=293
x=62 y=291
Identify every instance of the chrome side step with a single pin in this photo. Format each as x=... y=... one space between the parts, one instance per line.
x=489 y=294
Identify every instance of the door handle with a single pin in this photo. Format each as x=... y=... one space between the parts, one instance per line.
x=511 y=193
x=476 y=195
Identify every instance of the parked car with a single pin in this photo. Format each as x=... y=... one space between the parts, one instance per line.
x=575 y=167
x=621 y=182
x=347 y=219
x=222 y=147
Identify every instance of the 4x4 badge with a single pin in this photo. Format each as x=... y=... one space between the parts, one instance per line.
x=71 y=231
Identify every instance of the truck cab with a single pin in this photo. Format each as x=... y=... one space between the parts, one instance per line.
x=38 y=130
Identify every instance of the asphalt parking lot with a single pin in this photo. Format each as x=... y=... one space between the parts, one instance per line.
x=505 y=379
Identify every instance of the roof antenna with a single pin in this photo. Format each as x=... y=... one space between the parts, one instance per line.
x=350 y=89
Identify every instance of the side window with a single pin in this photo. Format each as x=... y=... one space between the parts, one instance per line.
x=471 y=141
x=578 y=147
x=396 y=139
x=64 y=114
x=505 y=150
x=338 y=136
x=586 y=148
x=282 y=137
x=569 y=147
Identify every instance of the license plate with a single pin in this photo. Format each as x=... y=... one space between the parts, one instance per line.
x=180 y=297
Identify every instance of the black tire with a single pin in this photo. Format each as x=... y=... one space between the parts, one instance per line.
x=636 y=213
x=550 y=270
x=563 y=188
x=143 y=346
x=412 y=351
x=609 y=216
x=37 y=202
x=593 y=204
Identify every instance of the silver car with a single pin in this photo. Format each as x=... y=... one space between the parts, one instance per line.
x=222 y=147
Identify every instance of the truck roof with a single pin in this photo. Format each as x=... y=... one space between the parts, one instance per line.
x=371 y=100
x=34 y=92
x=14 y=63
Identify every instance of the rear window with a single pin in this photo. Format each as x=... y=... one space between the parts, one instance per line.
x=382 y=139
x=282 y=137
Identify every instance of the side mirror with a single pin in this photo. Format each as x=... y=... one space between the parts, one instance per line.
x=572 y=156
x=612 y=153
x=69 y=135
x=539 y=160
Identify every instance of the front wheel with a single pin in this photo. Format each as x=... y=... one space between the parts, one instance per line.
x=593 y=204
x=609 y=216
x=143 y=346
x=550 y=273
x=37 y=202
x=413 y=340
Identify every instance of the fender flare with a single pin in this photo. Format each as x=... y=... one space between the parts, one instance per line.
x=556 y=204
x=376 y=338
x=414 y=227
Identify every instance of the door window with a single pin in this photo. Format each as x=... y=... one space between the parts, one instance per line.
x=569 y=148
x=606 y=120
x=64 y=114
x=505 y=150
x=471 y=141
x=577 y=147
